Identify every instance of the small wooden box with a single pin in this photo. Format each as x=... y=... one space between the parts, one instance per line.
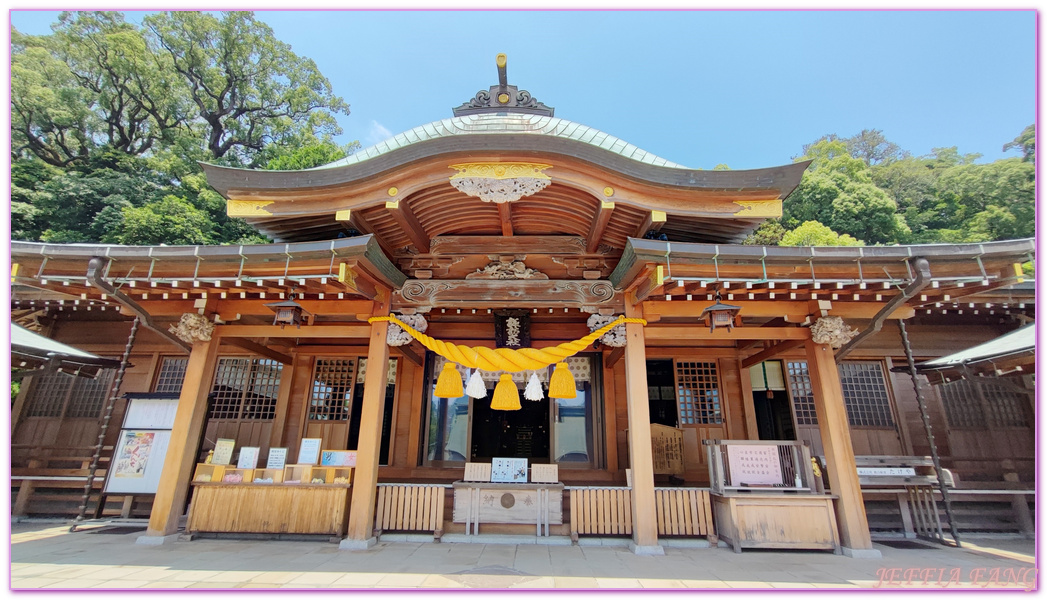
x=206 y=472
x=234 y=475
x=298 y=473
x=277 y=475
x=343 y=475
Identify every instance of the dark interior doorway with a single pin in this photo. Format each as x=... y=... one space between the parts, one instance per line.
x=520 y=433
x=661 y=392
x=774 y=419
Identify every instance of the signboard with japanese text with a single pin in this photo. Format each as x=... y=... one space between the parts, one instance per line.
x=755 y=464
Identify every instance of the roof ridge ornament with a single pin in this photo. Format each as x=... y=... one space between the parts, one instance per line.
x=503 y=98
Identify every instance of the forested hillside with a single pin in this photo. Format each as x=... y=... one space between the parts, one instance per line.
x=109 y=119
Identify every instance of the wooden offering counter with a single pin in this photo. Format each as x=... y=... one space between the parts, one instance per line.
x=316 y=506
x=763 y=496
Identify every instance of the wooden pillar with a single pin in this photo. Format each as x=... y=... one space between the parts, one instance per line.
x=18 y=406
x=185 y=439
x=839 y=454
x=748 y=402
x=365 y=480
x=641 y=461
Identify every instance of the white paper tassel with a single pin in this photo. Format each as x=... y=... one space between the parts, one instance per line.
x=476 y=388
x=534 y=388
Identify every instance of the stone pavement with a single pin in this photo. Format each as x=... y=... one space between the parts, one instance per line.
x=46 y=555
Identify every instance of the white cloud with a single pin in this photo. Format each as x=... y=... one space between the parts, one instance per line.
x=376 y=133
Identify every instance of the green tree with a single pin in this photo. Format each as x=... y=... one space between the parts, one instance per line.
x=813 y=233
x=873 y=148
x=249 y=89
x=313 y=153
x=1026 y=142
x=769 y=233
x=171 y=220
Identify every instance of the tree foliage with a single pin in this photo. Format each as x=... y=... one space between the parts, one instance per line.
x=813 y=233
x=109 y=120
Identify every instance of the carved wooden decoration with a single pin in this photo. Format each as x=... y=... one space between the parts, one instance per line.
x=520 y=293
x=507 y=268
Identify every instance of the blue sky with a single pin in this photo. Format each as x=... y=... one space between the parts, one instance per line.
x=744 y=88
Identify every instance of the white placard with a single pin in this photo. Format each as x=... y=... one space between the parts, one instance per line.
x=895 y=471
x=277 y=458
x=150 y=413
x=223 y=452
x=248 y=458
x=545 y=473
x=309 y=451
x=755 y=464
x=509 y=470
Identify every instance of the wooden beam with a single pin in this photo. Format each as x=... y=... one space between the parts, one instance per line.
x=697 y=332
x=614 y=356
x=603 y=217
x=776 y=308
x=313 y=331
x=771 y=352
x=169 y=501
x=401 y=213
x=505 y=215
x=752 y=431
x=411 y=353
x=356 y=281
x=332 y=307
x=652 y=222
x=356 y=220
x=456 y=245
x=836 y=443
x=258 y=349
x=641 y=460
x=654 y=281
x=361 y=510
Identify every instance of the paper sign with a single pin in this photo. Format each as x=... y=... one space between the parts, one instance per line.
x=509 y=470
x=895 y=471
x=277 y=458
x=223 y=452
x=338 y=458
x=309 y=451
x=248 y=458
x=133 y=454
x=754 y=465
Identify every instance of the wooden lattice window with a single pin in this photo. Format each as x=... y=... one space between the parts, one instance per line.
x=245 y=388
x=56 y=394
x=963 y=407
x=171 y=376
x=865 y=394
x=802 y=393
x=332 y=392
x=698 y=393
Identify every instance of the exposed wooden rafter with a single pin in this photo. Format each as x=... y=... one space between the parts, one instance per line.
x=259 y=349
x=356 y=220
x=652 y=222
x=505 y=215
x=603 y=217
x=771 y=352
x=401 y=213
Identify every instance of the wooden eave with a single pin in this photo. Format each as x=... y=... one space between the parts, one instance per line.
x=713 y=206
x=963 y=276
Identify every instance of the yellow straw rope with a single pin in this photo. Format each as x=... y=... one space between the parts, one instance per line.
x=506 y=359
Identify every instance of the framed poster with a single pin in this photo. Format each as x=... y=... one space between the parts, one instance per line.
x=248 y=458
x=338 y=458
x=141 y=448
x=309 y=451
x=223 y=452
x=277 y=458
x=509 y=470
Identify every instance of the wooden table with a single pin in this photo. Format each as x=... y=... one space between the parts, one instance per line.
x=479 y=502
x=301 y=508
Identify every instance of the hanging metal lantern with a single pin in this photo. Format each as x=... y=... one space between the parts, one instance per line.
x=288 y=312
x=720 y=314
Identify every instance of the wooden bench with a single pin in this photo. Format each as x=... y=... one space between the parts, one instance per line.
x=410 y=507
x=912 y=481
x=54 y=478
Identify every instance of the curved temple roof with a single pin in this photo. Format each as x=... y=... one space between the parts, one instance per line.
x=494 y=123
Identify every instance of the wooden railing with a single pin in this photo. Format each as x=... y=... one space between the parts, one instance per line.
x=410 y=507
x=601 y=511
x=50 y=480
x=684 y=511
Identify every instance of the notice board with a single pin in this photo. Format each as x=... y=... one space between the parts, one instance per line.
x=140 y=450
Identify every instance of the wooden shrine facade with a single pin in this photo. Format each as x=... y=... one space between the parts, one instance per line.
x=607 y=229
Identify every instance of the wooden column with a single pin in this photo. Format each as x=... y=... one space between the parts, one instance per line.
x=645 y=523
x=836 y=443
x=361 y=510
x=185 y=439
